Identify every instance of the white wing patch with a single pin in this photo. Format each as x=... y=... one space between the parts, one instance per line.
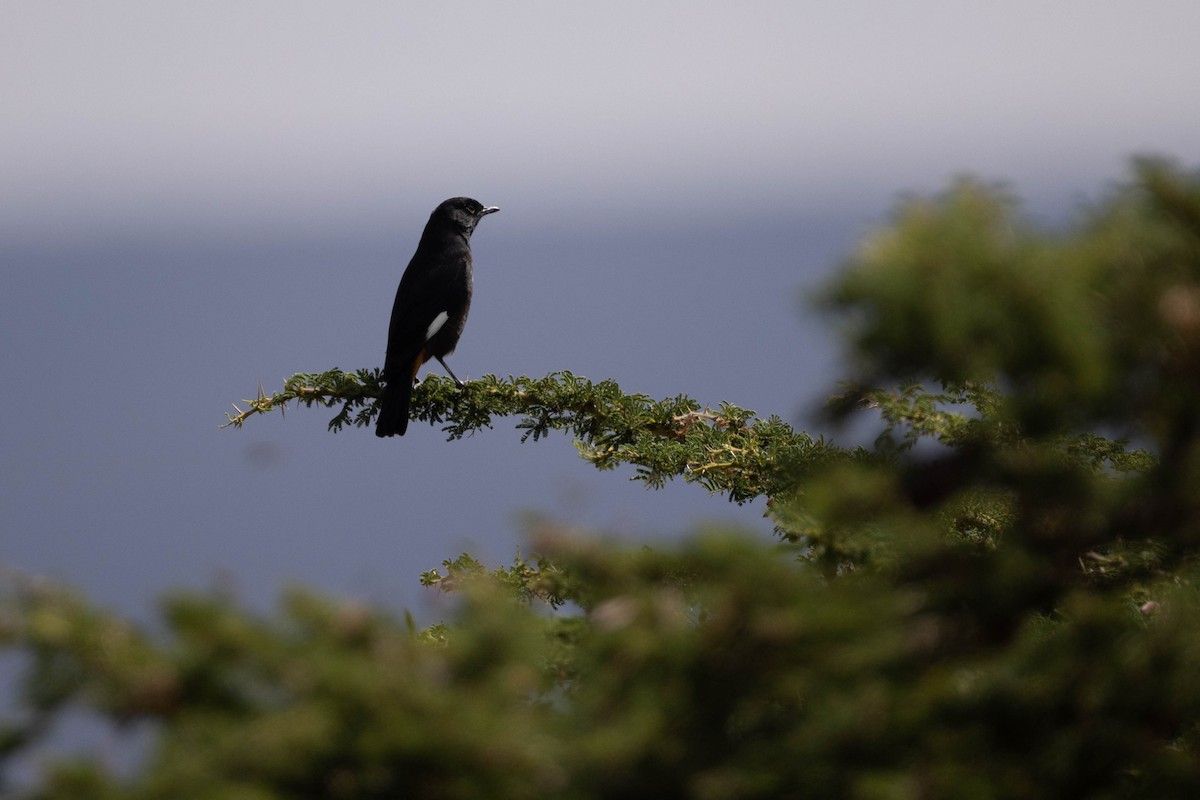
x=436 y=325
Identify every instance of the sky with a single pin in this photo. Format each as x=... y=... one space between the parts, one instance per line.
x=199 y=198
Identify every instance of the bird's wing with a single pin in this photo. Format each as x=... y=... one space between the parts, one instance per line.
x=423 y=296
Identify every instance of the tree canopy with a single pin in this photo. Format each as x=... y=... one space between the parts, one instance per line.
x=996 y=599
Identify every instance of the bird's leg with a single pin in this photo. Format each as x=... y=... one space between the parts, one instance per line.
x=452 y=375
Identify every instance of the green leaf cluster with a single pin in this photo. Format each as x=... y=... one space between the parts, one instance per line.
x=727 y=451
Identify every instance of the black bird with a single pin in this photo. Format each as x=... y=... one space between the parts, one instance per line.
x=431 y=306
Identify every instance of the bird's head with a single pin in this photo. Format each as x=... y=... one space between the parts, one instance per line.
x=463 y=213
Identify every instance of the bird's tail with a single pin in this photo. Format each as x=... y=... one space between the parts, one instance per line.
x=393 y=407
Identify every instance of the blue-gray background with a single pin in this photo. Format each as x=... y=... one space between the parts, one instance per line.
x=196 y=198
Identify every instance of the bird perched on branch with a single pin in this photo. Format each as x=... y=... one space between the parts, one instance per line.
x=431 y=306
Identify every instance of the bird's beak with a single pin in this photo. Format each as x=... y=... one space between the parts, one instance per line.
x=489 y=210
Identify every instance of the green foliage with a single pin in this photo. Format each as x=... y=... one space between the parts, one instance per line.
x=1093 y=325
x=999 y=600
x=726 y=451
x=538 y=579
